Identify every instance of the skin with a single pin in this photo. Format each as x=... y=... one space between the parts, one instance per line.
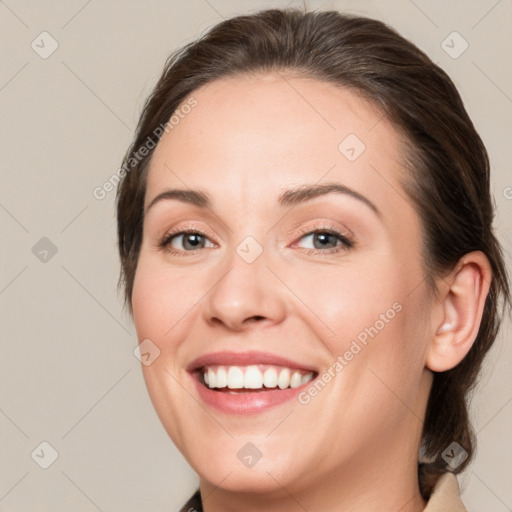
x=355 y=445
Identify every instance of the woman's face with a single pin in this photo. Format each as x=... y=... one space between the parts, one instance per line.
x=274 y=286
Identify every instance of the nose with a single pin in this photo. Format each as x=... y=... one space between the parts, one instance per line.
x=245 y=295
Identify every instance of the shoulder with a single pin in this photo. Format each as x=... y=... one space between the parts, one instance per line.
x=445 y=496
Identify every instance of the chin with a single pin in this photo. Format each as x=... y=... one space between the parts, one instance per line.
x=245 y=467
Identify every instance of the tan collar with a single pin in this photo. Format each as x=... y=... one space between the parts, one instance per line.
x=446 y=496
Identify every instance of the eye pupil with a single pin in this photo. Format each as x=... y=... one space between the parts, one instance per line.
x=324 y=237
x=192 y=239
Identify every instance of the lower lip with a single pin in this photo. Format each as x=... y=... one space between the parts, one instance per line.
x=246 y=403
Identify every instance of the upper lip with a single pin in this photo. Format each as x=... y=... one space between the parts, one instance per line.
x=227 y=358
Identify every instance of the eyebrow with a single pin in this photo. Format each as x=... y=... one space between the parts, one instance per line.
x=288 y=198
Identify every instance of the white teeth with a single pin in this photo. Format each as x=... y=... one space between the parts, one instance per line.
x=253 y=377
x=295 y=380
x=270 y=378
x=235 y=378
x=211 y=378
x=284 y=378
x=306 y=378
x=222 y=378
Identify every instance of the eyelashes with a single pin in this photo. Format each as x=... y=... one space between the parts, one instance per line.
x=196 y=240
x=167 y=240
x=319 y=232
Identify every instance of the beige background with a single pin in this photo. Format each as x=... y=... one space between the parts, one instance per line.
x=68 y=375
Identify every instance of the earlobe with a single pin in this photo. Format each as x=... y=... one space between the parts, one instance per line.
x=463 y=298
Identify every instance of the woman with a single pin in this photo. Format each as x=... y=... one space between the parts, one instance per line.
x=305 y=232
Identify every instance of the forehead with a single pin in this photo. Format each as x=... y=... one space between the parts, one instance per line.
x=251 y=136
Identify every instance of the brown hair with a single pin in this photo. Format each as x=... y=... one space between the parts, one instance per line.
x=448 y=166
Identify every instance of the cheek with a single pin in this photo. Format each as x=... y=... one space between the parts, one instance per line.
x=376 y=315
x=161 y=300
x=346 y=301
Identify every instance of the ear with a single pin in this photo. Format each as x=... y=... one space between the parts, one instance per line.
x=462 y=298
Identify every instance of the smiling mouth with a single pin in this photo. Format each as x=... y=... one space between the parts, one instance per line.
x=252 y=378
